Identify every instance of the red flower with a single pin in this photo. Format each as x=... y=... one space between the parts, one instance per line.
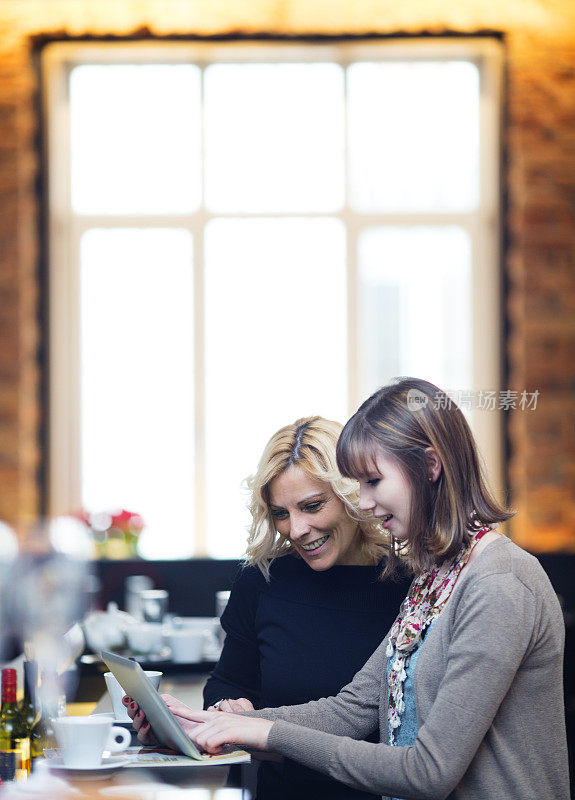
x=127 y=521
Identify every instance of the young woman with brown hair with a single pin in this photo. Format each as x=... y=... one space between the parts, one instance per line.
x=466 y=688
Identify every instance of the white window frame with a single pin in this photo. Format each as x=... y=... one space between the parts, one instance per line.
x=65 y=230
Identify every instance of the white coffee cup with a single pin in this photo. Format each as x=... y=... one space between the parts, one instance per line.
x=145 y=637
x=116 y=693
x=208 y=626
x=187 y=645
x=82 y=740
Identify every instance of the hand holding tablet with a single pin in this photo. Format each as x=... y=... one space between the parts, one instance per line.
x=142 y=726
x=137 y=685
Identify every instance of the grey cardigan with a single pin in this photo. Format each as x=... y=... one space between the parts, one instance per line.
x=489 y=697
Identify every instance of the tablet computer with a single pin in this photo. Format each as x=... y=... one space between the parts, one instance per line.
x=137 y=685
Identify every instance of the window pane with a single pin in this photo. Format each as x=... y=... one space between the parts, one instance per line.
x=415 y=295
x=135 y=139
x=136 y=312
x=274 y=137
x=413 y=136
x=276 y=347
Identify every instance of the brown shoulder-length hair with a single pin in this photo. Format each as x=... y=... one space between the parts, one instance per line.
x=308 y=443
x=406 y=418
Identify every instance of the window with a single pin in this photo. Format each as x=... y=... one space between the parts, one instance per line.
x=242 y=234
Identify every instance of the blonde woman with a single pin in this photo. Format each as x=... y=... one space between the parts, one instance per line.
x=466 y=688
x=309 y=607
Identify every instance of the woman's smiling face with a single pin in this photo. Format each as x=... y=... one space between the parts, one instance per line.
x=314 y=520
x=386 y=492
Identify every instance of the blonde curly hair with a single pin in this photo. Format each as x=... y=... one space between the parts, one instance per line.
x=310 y=443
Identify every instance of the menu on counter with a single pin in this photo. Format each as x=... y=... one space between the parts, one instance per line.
x=167 y=758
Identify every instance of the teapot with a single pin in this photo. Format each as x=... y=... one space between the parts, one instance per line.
x=106 y=630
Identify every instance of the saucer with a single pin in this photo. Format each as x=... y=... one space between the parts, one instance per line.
x=107 y=768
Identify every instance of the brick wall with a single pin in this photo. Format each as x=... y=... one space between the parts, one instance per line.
x=540 y=266
x=539 y=179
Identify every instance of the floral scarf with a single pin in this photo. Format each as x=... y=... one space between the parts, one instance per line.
x=424 y=603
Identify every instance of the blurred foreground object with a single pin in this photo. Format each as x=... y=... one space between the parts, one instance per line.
x=8 y=544
x=8 y=554
x=46 y=593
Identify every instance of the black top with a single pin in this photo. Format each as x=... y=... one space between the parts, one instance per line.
x=300 y=637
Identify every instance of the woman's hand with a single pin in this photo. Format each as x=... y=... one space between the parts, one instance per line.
x=210 y=730
x=139 y=722
x=142 y=726
x=241 y=704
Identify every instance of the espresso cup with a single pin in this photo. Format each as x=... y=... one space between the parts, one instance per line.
x=117 y=693
x=82 y=740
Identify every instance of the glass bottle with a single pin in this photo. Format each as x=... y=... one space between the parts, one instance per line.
x=29 y=709
x=42 y=736
x=14 y=737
